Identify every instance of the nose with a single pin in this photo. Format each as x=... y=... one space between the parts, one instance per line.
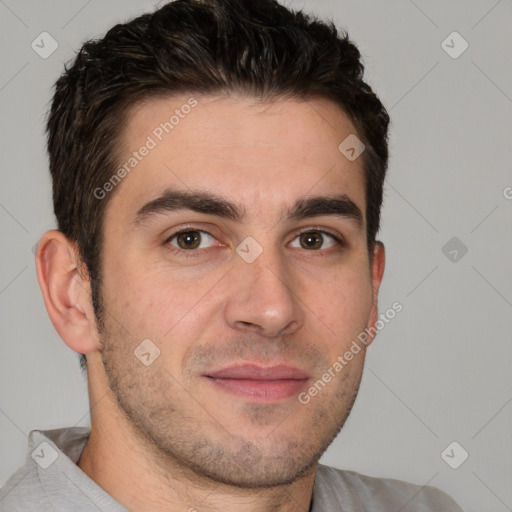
x=264 y=298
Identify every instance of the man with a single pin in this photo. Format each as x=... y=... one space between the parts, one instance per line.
x=218 y=168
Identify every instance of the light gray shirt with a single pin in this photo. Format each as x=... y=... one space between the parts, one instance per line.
x=50 y=481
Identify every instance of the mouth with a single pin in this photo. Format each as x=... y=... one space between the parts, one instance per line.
x=260 y=384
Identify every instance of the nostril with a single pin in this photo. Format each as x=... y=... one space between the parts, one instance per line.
x=251 y=326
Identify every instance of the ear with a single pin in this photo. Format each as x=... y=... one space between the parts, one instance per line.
x=65 y=286
x=378 y=262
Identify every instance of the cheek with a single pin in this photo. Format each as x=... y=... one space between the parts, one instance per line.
x=158 y=304
x=343 y=304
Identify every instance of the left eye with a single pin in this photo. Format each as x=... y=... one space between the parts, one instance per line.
x=192 y=239
x=314 y=240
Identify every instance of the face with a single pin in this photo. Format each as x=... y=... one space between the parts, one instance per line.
x=233 y=247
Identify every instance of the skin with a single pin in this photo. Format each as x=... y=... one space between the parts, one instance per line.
x=163 y=436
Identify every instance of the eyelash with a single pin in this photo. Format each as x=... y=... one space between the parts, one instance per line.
x=193 y=253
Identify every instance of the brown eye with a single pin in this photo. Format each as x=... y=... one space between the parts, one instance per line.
x=311 y=240
x=314 y=240
x=191 y=239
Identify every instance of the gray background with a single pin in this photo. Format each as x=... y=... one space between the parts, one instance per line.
x=440 y=371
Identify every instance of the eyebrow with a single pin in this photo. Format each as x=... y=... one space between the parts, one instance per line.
x=212 y=204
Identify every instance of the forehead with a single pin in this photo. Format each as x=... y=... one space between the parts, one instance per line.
x=264 y=154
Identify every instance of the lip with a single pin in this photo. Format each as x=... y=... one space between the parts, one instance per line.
x=256 y=372
x=259 y=383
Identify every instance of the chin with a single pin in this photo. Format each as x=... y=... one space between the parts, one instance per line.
x=264 y=474
x=247 y=464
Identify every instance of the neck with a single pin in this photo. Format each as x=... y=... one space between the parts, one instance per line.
x=122 y=462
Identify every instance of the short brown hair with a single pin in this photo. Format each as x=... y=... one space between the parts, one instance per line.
x=256 y=47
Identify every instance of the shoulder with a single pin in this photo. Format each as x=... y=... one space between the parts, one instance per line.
x=31 y=487
x=337 y=487
x=23 y=492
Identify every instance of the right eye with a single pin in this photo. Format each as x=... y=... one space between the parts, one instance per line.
x=190 y=239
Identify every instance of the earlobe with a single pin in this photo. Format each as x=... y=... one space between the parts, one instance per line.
x=378 y=264
x=66 y=291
